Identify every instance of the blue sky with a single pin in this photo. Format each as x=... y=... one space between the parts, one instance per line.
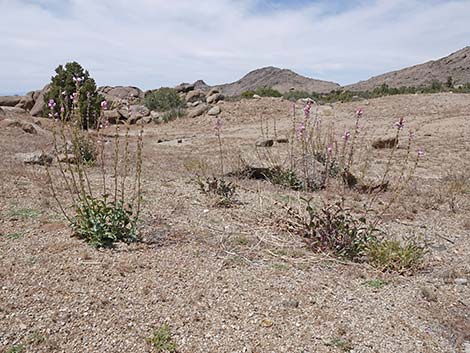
x=153 y=43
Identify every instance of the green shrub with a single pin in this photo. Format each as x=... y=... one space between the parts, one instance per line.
x=172 y=114
x=162 y=341
x=84 y=148
x=101 y=222
x=267 y=92
x=248 y=94
x=163 y=99
x=296 y=95
x=64 y=84
x=389 y=255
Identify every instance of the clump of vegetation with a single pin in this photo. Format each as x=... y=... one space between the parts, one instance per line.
x=224 y=191
x=103 y=211
x=334 y=228
x=72 y=86
x=162 y=340
x=262 y=92
x=392 y=256
x=101 y=222
x=163 y=99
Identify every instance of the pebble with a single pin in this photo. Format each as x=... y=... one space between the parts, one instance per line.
x=461 y=281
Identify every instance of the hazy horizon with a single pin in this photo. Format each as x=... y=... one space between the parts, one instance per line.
x=149 y=44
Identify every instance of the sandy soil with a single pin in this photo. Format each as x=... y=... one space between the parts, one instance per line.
x=236 y=280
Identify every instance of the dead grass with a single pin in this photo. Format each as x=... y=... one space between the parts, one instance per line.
x=217 y=275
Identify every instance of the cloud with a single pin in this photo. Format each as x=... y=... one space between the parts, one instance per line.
x=150 y=43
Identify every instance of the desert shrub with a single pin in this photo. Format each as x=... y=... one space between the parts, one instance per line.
x=163 y=99
x=296 y=95
x=248 y=94
x=172 y=114
x=102 y=222
x=334 y=228
x=390 y=255
x=72 y=87
x=162 y=340
x=223 y=190
x=267 y=92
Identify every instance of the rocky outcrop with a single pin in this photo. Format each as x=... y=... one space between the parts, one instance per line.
x=38 y=158
x=197 y=111
x=38 y=108
x=9 y=101
x=27 y=101
x=119 y=94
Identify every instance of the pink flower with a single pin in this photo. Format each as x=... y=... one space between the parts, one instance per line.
x=218 y=125
x=104 y=105
x=329 y=149
x=359 y=112
x=74 y=97
x=106 y=123
x=346 y=136
x=301 y=130
x=51 y=104
x=307 y=108
x=62 y=109
x=421 y=153
x=400 y=123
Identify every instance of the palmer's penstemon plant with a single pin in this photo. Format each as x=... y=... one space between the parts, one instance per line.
x=100 y=209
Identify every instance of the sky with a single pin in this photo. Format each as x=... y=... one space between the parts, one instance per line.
x=154 y=43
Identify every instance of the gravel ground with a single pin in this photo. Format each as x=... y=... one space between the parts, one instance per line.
x=233 y=280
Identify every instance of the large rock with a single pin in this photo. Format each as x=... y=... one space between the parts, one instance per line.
x=214 y=98
x=23 y=125
x=26 y=102
x=121 y=93
x=184 y=87
x=38 y=157
x=112 y=116
x=214 y=110
x=9 y=101
x=195 y=96
x=38 y=108
x=197 y=111
x=2 y=112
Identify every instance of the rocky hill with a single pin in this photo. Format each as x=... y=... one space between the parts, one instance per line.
x=456 y=65
x=280 y=79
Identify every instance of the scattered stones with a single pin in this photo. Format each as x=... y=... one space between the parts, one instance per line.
x=67 y=158
x=9 y=101
x=194 y=104
x=255 y=96
x=282 y=140
x=214 y=110
x=461 y=281
x=197 y=111
x=428 y=294
x=213 y=91
x=291 y=303
x=214 y=98
x=38 y=158
x=145 y=120
x=387 y=142
x=264 y=142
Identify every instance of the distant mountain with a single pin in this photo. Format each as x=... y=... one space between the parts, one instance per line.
x=456 y=65
x=282 y=80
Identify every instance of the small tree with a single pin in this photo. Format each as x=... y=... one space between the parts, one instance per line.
x=67 y=82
